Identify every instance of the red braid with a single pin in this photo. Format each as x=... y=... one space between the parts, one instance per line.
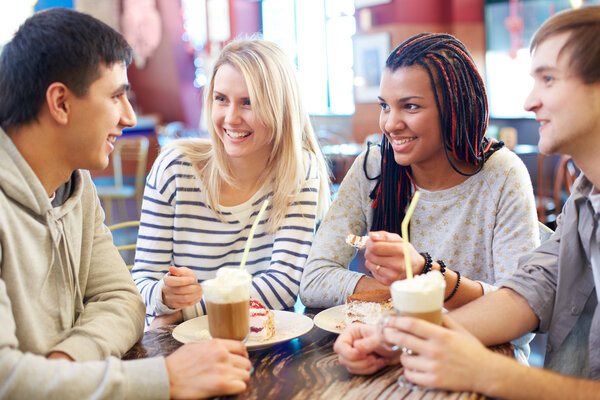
x=447 y=80
x=470 y=61
x=412 y=41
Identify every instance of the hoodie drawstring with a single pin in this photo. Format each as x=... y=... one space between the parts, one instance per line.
x=73 y=298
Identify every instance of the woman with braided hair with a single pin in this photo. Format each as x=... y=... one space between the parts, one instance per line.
x=476 y=214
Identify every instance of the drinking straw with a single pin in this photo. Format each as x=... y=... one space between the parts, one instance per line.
x=251 y=234
x=404 y=229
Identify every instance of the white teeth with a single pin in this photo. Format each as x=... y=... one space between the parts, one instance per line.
x=112 y=139
x=402 y=141
x=237 y=134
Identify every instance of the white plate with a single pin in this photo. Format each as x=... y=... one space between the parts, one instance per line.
x=331 y=319
x=288 y=325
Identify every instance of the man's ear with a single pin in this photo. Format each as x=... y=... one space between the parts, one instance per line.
x=57 y=96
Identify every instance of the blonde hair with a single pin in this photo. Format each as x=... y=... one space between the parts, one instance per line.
x=275 y=99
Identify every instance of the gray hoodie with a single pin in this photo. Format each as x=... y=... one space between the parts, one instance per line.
x=64 y=287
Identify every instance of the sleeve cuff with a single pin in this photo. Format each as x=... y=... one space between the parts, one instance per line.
x=147 y=378
x=352 y=282
x=487 y=288
x=80 y=348
x=522 y=349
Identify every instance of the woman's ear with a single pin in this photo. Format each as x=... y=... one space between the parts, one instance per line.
x=57 y=96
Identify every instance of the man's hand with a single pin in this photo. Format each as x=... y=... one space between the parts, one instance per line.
x=208 y=369
x=444 y=357
x=59 y=355
x=181 y=288
x=359 y=350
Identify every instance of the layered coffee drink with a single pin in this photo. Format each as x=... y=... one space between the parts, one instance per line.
x=227 y=300
x=420 y=297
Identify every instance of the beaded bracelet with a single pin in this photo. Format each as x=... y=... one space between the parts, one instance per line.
x=455 y=287
x=442 y=267
x=428 y=263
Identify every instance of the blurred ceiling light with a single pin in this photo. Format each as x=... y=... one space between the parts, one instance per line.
x=576 y=3
x=360 y=81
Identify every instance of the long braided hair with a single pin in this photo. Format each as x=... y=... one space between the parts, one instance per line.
x=463 y=111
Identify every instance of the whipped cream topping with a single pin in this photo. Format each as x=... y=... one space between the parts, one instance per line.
x=422 y=293
x=231 y=285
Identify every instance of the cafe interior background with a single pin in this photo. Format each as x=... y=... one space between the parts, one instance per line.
x=339 y=47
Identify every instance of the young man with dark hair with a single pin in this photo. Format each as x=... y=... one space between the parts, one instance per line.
x=556 y=288
x=68 y=305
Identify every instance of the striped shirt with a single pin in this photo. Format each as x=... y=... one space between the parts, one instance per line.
x=177 y=227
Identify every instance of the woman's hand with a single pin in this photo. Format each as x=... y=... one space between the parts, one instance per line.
x=359 y=350
x=384 y=257
x=181 y=288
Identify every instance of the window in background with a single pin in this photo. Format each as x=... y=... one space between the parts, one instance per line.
x=510 y=25
x=317 y=36
x=12 y=15
x=194 y=24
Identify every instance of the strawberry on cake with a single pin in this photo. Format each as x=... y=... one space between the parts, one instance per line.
x=262 y=326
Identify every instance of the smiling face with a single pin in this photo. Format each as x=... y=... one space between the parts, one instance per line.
x=243 y=135
x=410 y=119
x=97 y=119
x=566 y=107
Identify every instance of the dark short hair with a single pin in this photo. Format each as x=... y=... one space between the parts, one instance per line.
x=55 y=45
x=582 y=45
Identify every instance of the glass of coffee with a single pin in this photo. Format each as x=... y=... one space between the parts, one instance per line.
x=420 y=297
x=227 y=299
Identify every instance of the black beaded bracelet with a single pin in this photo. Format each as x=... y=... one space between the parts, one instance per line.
x=455 y=287
x=428 y=263
x=442 y=267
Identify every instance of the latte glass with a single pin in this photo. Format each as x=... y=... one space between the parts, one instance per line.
x=227 y=300
x=420 y=297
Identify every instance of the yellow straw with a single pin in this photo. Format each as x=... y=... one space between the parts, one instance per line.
x=404 y=228
x=251 y=234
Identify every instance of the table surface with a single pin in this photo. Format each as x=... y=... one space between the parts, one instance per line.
x=306 y=368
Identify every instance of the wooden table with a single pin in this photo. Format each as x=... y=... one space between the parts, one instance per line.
x=306 y=368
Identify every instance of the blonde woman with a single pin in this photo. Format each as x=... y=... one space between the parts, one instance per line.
x=203 y=195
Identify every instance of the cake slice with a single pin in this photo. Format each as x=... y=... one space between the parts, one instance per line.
x=366 y=307
x=358 y=242
x=262 y=324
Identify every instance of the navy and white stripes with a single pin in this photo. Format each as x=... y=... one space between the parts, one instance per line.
x=178 y=228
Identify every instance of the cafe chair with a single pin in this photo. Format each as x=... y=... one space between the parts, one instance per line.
x=544 y=200
x=555 y=177
x=125 y=238
x=128 y=151
x=564 y=177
